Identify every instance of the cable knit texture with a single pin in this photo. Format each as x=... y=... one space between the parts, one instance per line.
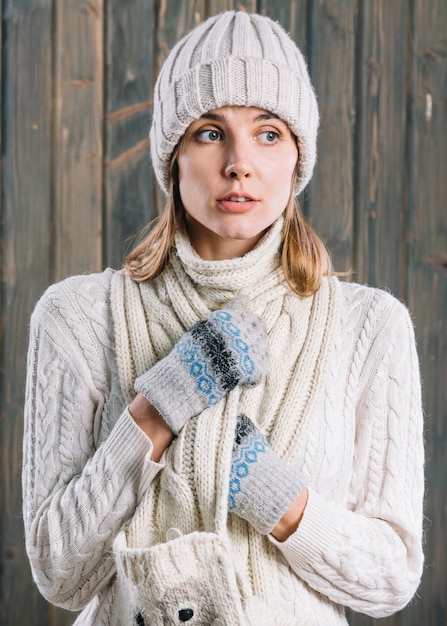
x=87 y=465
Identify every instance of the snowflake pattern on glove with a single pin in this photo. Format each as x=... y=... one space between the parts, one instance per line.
x=249 y=443
x=217 y=356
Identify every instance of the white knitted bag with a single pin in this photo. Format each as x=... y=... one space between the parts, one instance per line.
x=168 y=577
x=189 y=579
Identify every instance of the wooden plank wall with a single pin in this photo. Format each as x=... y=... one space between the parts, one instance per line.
x=76 y=182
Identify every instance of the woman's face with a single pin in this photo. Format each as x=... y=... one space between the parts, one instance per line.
x=235 y=171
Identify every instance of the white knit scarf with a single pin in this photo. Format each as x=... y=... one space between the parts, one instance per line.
x=191 y=492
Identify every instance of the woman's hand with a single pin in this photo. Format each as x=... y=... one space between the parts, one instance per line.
x=264 y=489
x=151 y=422
x=228 y=347
x=291 y=519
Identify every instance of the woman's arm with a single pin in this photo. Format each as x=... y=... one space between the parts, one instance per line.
x=289 y=522
x=152 y=424
x=76 y=495
x=370 y=557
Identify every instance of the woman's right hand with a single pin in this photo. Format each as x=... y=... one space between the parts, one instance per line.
x=151 y=422
x=228 y=347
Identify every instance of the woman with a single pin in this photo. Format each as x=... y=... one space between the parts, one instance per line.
x=226 y=382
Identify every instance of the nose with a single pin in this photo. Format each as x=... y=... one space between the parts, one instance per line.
x=238 y=161
x=237 y=171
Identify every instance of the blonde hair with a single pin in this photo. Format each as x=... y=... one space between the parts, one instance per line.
x=304 y=257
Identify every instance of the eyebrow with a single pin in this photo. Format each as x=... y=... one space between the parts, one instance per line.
x=221 y=118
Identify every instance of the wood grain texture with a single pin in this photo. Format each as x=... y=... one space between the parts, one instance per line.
x=329 y=200
x=216 y=6
x=26 y=241
x=427 y=281
x=380 y=143
x=292 y=15
x=78 y=142
x=129 y=76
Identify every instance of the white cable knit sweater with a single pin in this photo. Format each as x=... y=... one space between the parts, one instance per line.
x=87 y=465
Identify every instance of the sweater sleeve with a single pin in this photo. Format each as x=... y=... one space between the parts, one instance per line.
x=77 y=494
x=367 y=555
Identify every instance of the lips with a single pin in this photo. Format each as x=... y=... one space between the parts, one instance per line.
x=237 y=202
x=238 y=196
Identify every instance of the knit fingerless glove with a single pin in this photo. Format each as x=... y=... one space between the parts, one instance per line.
x=262 y=485
x=228 y=347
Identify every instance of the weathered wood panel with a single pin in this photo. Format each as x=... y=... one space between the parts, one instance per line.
x=292 y=15
x=216 y=6
x=26 y=239
x=427 y=281
x=78 y=141
x=129 y=76
x=380 y=143
x=329 y=200
x=76 y=179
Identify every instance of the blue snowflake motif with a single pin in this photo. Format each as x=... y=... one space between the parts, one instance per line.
x=205 y=383
x=247 y=455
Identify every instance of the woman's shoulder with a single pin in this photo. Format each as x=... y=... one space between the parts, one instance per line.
x=77 y=300
x=372 y=309
x=79 y=285
x=355 y=294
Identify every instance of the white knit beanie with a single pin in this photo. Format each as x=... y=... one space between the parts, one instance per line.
x=238 y=59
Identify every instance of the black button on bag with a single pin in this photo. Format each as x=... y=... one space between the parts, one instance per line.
x=139 y=620
x=185 y=615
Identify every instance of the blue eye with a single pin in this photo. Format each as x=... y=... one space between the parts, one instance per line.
x=269 y=136
x=209 y=136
